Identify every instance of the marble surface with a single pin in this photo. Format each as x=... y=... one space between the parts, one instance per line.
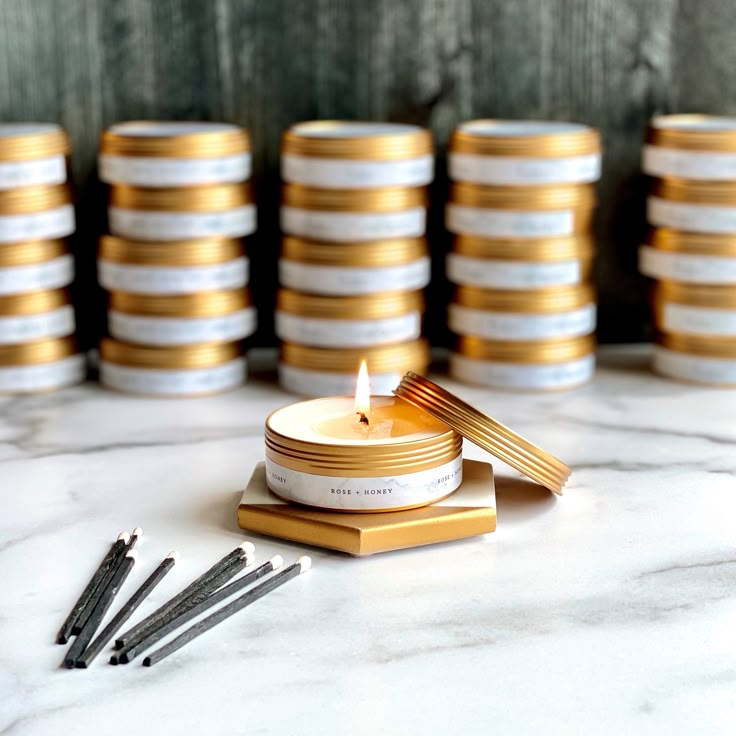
x=610 y=610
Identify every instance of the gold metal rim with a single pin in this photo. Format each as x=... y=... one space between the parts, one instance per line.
x=34 y=145
x=210 y=198
x=199 y=252
x=696 y=192
x=487 y=433
x=703 y=346
x=34 y=302
x=540 y=301
x=409 y=143
x=368 y=306
x=199 y=304
x=203 y=144
x=702 y=244
x=553 y=197
x=386 y=199
x=706 y=137
x=694 y=295
x=561 y=350
x=31 y=251
x=41 y=351
x=541 y=145
x=376 y=253
x=27 y=200
x=181 y=357
x=543 y=249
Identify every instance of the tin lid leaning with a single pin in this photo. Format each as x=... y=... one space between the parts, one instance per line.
x=487 y=433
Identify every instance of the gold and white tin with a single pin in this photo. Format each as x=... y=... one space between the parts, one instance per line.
x=37 y=315
x=698 y=359
x=35 y=213
x=693 y=206
x=34 y=265
x=32 y=154
x=41 y=365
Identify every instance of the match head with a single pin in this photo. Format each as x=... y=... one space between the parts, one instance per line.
x=133 y=554
x=124 y=537
x=305 y=563
x=138 y=532
x=248 y=547
x=173 y=555
x=276 y=562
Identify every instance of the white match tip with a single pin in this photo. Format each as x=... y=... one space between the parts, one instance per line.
x=133 y=554
x=305 y=563
x=173 y=555
x=276 y=562
x=124 y=536
x=248 y=547
x=138 y=532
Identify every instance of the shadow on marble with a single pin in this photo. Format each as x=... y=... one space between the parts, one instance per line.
x=518 y=499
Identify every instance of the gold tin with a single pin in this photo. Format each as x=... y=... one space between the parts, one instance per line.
x=386 y=199
x=698 y=345
x=694 y=295
x=580 y=247
x=578 y=197
x=28 y=200
x=188 y=357
x=694 y=308
x=40 y=351
x=538 y=351
x=30 y=141
x=539 y=301
x=695 y=191
x=369 y=306
x=31 y=251
x=34 y=302
x=209 y=198
x=367 y=254
x=701 y=244
x=693 y=132
x=196 y=252
x=200 y=304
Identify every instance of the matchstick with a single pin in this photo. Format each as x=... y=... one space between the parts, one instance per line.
x=301 y=565
x=118 y=546
x=127 y=610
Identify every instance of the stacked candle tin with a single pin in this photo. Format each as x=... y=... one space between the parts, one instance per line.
x=691 y=249
x=37 y=348
x=175 y=262
x=354 y=258
x=520 y=209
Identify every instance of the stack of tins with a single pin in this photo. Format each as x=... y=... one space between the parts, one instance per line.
x=691 y=249
x=37 y=347
x=520 y=208
x=175 y=263
x=354 y=258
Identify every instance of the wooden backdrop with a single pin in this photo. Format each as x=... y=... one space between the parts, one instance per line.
x=268 y=63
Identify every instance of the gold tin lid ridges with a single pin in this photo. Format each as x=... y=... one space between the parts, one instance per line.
x=31 y=251
x=27 y=141
x=543 y=249
x=209 y=198
x=357 y=140
x=174 y=139
x=199 y=304
x=540 y=301
x=693 y=132
x=694 y=295
x=370 y=306
x=485 y=432
x=198 y=252
x=699 y=345
x=369 y=253
x=41 y=351
x=696 y=191
x=552 y=197
x=558 y=350
x=27 y=200
x=386 y=199
x=528 y=138
x=34 y=302
x=181 y=357
x=702 y=244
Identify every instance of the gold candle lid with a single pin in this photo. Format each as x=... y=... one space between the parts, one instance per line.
x=703 y=346
x=559 y=350
x=550 y=300
x=181 y=357
x=553 y=197
x=695 y=191
x=41 y=351
x=175 y=139
x=31 y=251
x=27 y=141
x=34 y=302
x=348 y=139
x=536 y=138
x=378 y=253
x=701 y=244
x=198 y=252
x=385 y=199
x=209 y=198
x=369 y=306
x=693 y=132
x=27 y=200
x=542 y=249
x=485 y=432
x=199 y=304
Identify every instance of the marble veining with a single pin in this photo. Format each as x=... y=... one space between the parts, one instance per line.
x=607 y=611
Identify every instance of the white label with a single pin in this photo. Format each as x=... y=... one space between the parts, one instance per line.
x=509 y=223
x=697 y=368
x=43 y=376
x=692 y=269
x=146 y=225
x=696 y=218
x=51 y=274
x=347 y=333
x=365 y=494
x=690 y=320
x=152 y=171
x=29 y=327
x=48 y=224
x=353 y=174
x=517 y=326
x=522 y=375
x=349 y=281
x=328 y=383
x=502 y=274
x=37 y=172
x=145 y=330
x=513 y=170
x=115 y=276
x=353 y=226
x=161 y=382
x=658 y=161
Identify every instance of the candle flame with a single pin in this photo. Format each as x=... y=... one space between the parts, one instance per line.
x=363 y=394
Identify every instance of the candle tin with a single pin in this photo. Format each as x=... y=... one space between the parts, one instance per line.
x=519 y=212
x=689 y=258
x=353 y=269
x=35 y=213
x=514 y=264
x=542 y=314
x=693 y=206
x=353 y=215
x=539 y=365
x=311 y=371
x=218 y=210
x=177 y=267
x=190 y=370
x=524 y=152
x=150 y=153
x=181 y=319
x=689 y=309
x=34 y=265
x=36 y=315
x=348 y=322
x=356 y=155
x=39 y=366
x=698 y=359
x=32 y=154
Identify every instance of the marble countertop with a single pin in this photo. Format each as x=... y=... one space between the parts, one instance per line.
x=610 y=610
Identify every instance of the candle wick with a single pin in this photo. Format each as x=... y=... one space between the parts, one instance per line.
x=363 y=418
